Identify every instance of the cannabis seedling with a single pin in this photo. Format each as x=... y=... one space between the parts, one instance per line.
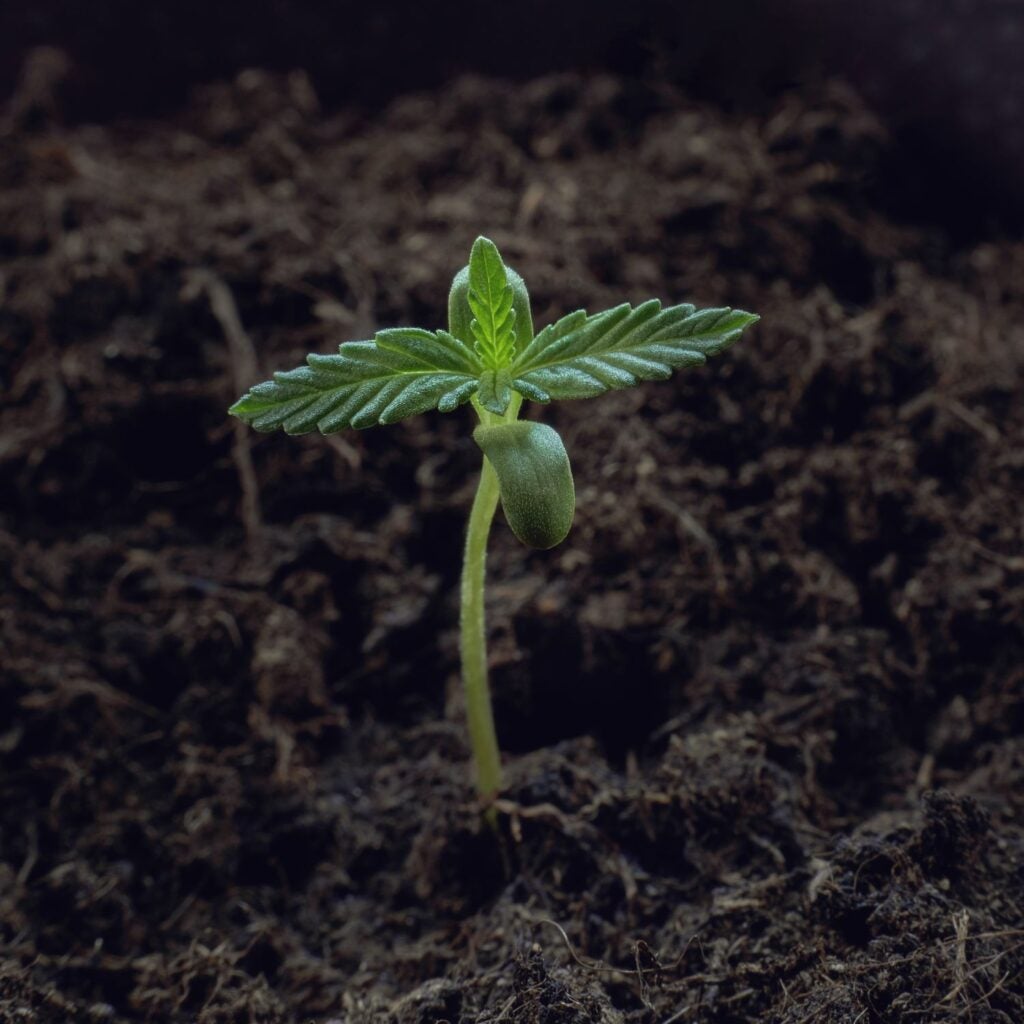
x=489 y=356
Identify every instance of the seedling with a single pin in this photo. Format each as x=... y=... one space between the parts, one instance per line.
x=490 y=357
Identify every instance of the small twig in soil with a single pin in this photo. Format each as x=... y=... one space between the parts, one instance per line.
x=640 y=948
x=244 y=374
x=594 y=965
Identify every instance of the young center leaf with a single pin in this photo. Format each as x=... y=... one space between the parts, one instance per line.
x=581 y=356
x=491 y=301
x=402 y=372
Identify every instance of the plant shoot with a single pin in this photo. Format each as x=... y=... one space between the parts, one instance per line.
x=490 y=357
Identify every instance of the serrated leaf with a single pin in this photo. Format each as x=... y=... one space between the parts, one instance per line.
x=491 y=301
x=581 y=356
x=402 y=372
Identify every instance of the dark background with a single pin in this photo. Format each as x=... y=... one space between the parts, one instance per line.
x=947 y=74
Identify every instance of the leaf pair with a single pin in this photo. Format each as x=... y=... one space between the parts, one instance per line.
x=488 y=351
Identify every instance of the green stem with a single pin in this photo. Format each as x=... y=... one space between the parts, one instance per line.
x=473 y=631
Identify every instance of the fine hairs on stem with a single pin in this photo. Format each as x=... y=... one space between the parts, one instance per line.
x=490 y=357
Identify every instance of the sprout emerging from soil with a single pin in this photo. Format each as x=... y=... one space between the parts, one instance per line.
x=490 y=357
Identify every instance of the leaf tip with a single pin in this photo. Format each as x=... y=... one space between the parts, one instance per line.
x=239 y=408
x=481 y=243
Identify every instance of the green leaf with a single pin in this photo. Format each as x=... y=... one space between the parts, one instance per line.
x=495 y=393
x=460 y=316
x=581 y=356
x=402 y=372
x=491 y=300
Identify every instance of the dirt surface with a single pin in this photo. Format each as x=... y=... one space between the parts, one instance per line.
x=763 y=712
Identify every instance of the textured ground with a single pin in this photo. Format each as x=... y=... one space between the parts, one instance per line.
x=763 y=711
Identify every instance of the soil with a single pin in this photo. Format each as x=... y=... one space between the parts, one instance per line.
x=763 y=712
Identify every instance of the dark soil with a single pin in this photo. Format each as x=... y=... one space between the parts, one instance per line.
x=763 y=712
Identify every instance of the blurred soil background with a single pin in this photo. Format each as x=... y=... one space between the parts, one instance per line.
x=763 y=711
